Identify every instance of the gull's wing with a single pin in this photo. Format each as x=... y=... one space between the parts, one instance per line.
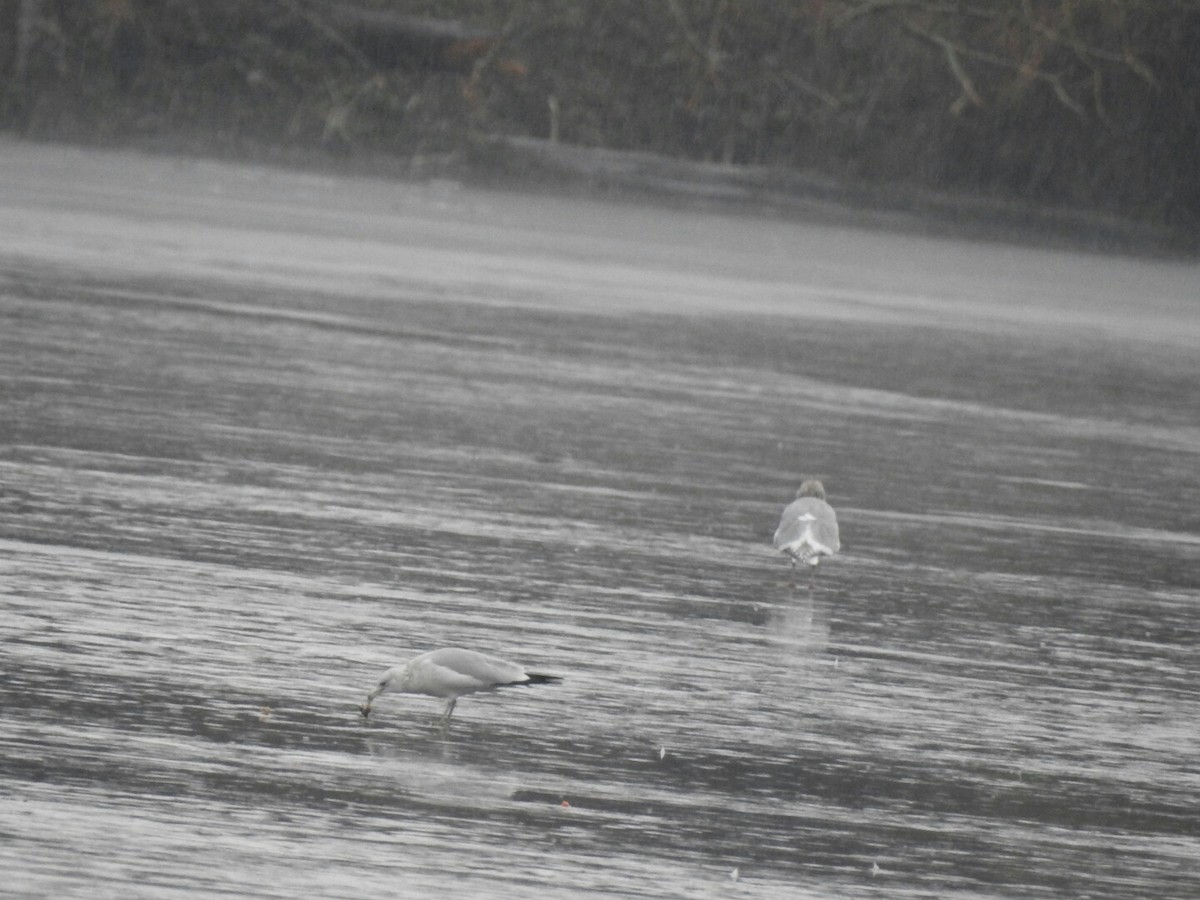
x=825 y=529
x=812 y=518
x=479 y=672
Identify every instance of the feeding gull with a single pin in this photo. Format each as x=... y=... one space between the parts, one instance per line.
x=450 y=673
x=808 y=528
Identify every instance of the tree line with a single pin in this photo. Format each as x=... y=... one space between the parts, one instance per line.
x=1093 y=104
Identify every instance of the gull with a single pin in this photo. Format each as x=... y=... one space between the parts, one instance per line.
x=808 y=528
x=451 y=672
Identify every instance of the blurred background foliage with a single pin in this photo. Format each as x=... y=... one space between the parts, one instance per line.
x=1093 y=104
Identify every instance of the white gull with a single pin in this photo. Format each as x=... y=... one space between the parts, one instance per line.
x=808 y=528
x=450 y=673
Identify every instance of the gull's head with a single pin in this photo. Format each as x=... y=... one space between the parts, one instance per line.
x=389 y=681
x=811 y=488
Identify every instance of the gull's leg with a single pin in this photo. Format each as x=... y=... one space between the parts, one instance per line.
x=448 y=712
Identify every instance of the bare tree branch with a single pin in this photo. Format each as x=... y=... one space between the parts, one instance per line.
x=27 y=18
x=811 y=90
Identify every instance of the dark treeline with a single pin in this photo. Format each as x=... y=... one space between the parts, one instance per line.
x=1093 y=104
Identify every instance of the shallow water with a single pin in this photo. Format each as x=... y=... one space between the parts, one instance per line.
x=225 y=507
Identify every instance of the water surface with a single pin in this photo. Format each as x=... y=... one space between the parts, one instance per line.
x=226 y=505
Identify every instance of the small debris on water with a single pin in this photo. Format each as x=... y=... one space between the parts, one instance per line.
x=733 y=876
x=875 y=870
x=662 y=752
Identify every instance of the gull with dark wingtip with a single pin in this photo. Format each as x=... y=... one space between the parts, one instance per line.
x=450 y=673
x=808 y=528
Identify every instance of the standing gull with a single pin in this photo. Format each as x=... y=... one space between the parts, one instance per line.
x=449 y=673
x=808 y=528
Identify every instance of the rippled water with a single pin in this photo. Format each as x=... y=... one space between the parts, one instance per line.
x=225 y=508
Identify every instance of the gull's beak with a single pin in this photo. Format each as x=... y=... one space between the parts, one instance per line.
x=379 y=689
x=366 y=707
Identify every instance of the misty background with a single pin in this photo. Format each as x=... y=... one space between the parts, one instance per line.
x=1009 y=110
